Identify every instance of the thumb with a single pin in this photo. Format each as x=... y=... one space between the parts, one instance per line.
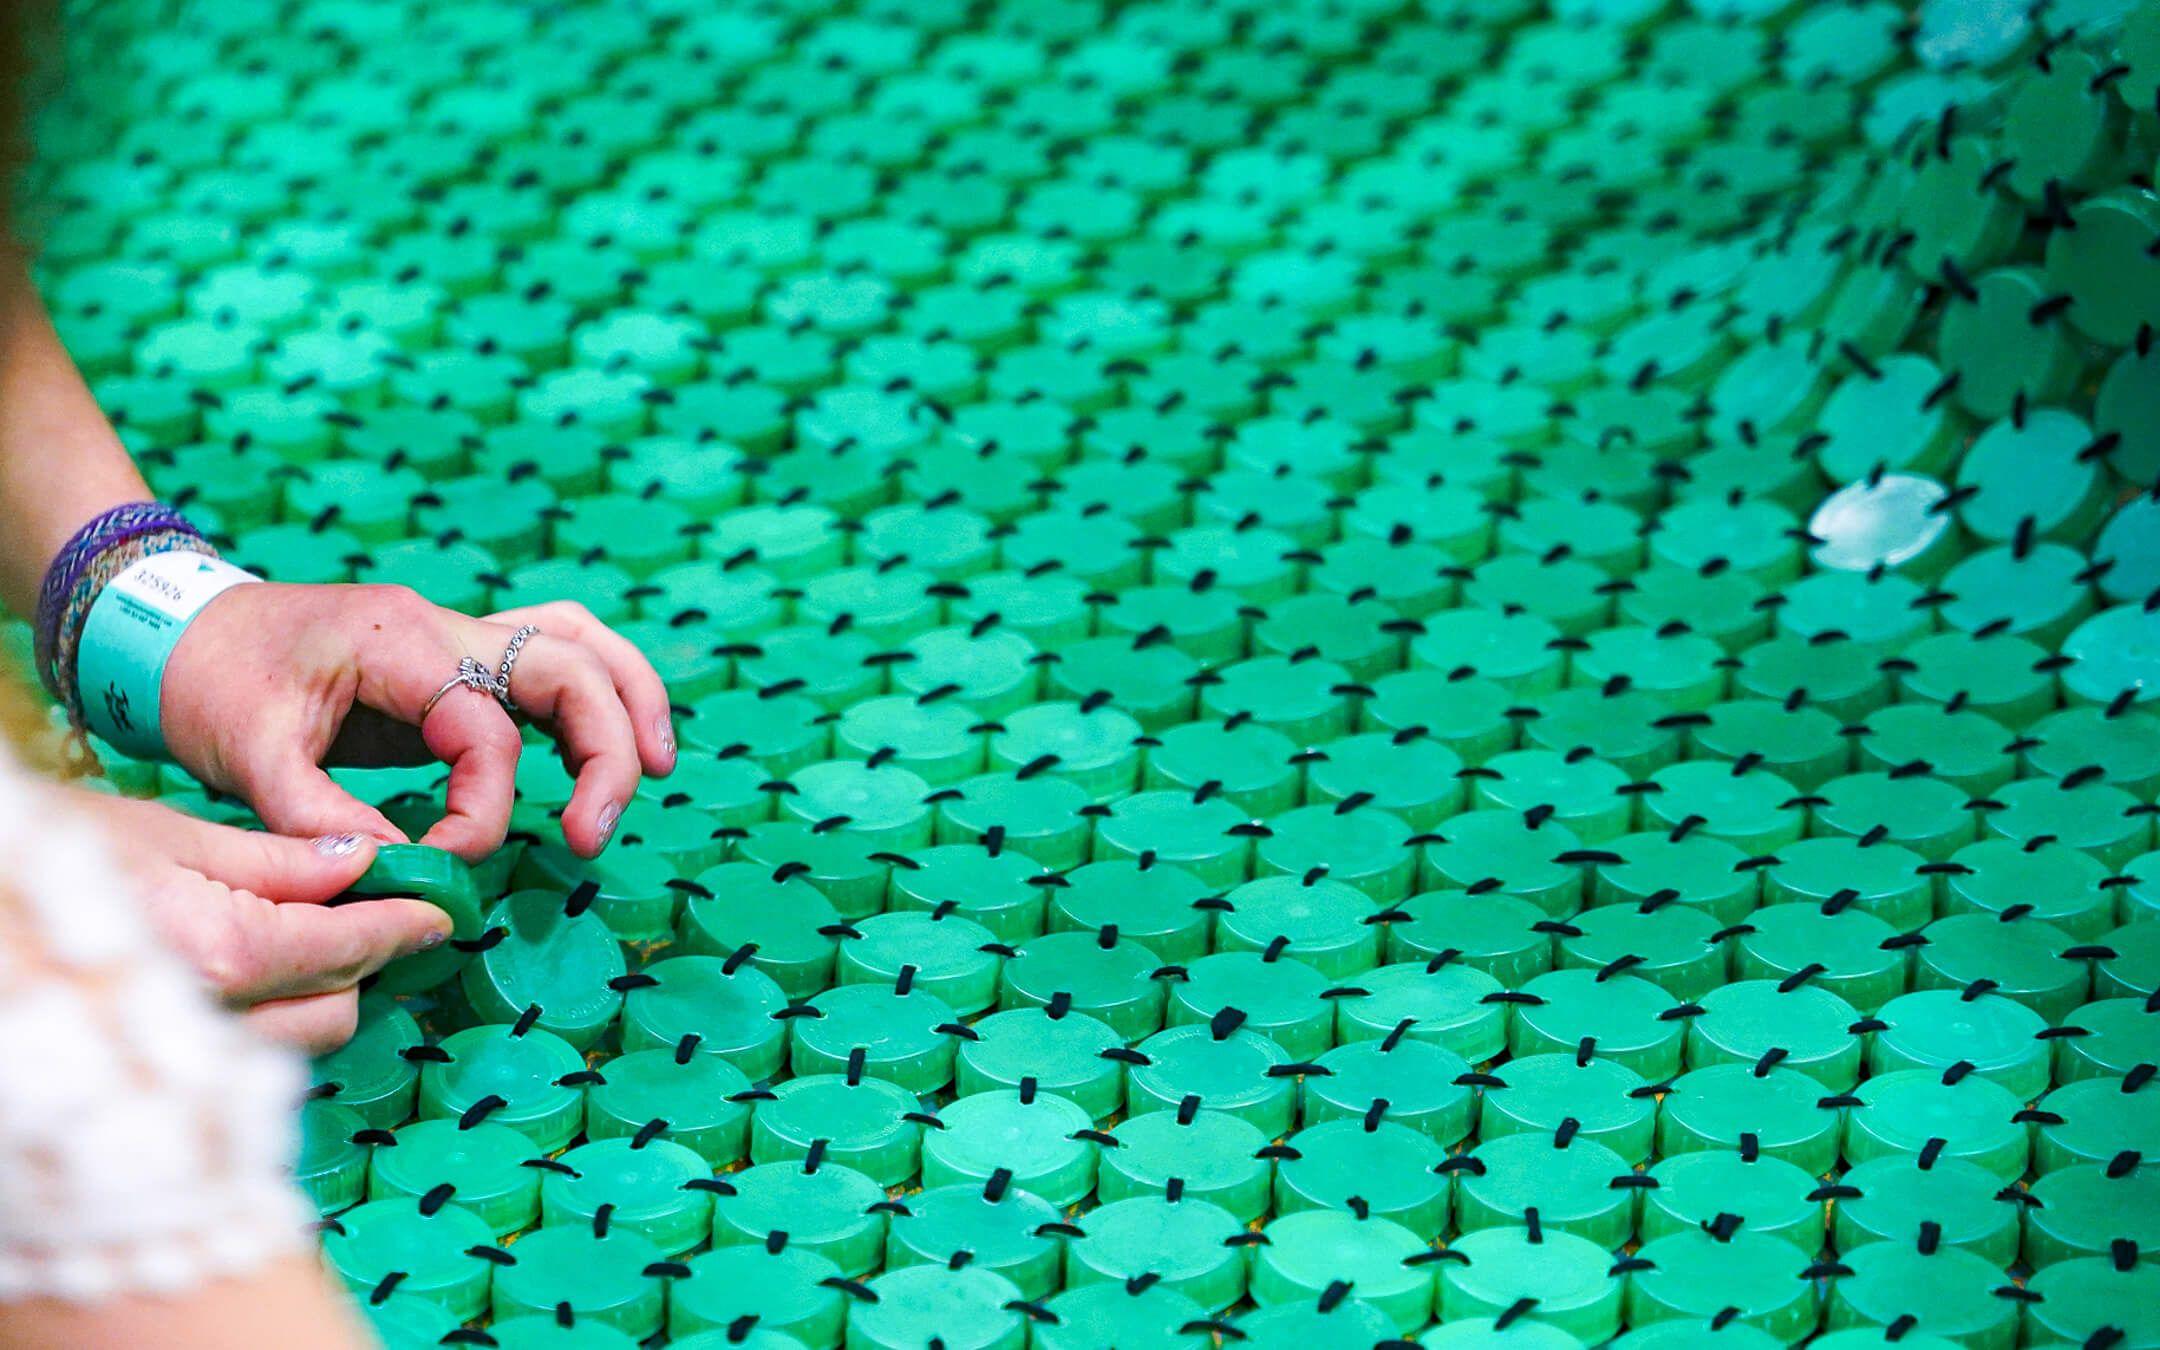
x=275 y=866
x=315 y=949
x=294 y=796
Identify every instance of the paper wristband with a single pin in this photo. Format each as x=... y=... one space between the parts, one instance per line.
x=133 y=626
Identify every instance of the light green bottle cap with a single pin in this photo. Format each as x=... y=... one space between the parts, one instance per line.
x=900 y=1032
x=370 y=1073
x=1569 y=1276
x=997 y=1225
x=643 y=1186
x=1898 y=1197
x=427 y=1248
x=498 y=1074
x=727 y=1004
x=332 y=1166
x=691 y=1100
x=1185 y=1242
x=784 y=1291
x=965 y=1308
x=822 y=1207
x=1032 y=1138
x=603 y=1272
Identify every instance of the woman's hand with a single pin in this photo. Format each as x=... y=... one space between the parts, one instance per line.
x=273 y=681
x=246 y=909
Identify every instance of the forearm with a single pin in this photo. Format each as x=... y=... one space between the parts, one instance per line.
x=60 y=461
x=290 y=1304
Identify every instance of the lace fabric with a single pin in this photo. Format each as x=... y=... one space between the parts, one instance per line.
x=144 y=1133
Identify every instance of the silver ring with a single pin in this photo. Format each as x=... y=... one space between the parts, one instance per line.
x=509 y=664
x=470 y=675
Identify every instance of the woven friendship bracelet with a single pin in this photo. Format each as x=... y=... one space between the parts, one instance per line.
x=101 y=532
x=98 y=552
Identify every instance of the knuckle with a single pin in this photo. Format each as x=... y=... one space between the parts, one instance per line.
x=231 y=960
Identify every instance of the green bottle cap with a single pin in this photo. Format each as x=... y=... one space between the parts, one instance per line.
x=2085 y=1210
x=781 y=731
x=1102 y=974
x=994 y=672
x=1842 y=947
x=2125 y=748
x=2080 y=1299
x=1762 y=1112
x=1409 y=777
x=688 y=1099
x=643 y=1186
x=1031 y=1137
x=883 y=804
x=424 y=1251
x=1452 y=1006
x=1408 y=1082
x=1326 y=924
x=1275 y=995
x=1510 y=648
x=1346 y=1324
x=1158 y=906
x=941 y=742
x=408 y=1321
x=2118 y=1035
x=1906 y=1112
x=602 y=1272
x=821 y=1206
x=1565 y=1180
x=1966 y=749
x=1609 y=1102
x=1621 y=1017
x=2134 y=967
x=1501 y=850
x=554 y=959
x=1049 y=609
x=995 y=1227
x=1844 y=679
x=900 y=1032
x=2025 y=961
x=1037 y=817
x=1926 y=815
x=1694 y=1273
x=945 y=955
x=1250 y=765
x=782 y=921
x=1031 y=1050
x=1204 y=836
x=1091 y=745
x=861 y=1123
x=632 y=889
x=1674 y=947
x=1696 y=1188
x=1809 y=1027
x=1340 y=1163
x=1939 y=1291
x=1225 y=1068
x=2035 y=595
x=1097 y=1315
x=332 y=1166
x=1489 y=931
x=1880 y=879
x=498 y=1073
x=1581 y=792
x=997 y=890
x=2100 y=1119
x=1311 y=1250
x=1185 y=1243
x=784 y=1291
x=1568 y=1276
x=2045 y=876
x=1898 y=1198
x=966 y=1309
x=370 y=1073
x=725 y=1003
x=1189 y=1154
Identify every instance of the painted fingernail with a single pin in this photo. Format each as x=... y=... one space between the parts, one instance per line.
x=337 y=845
x=609 y=814
x=667 y=737
x=429 y=941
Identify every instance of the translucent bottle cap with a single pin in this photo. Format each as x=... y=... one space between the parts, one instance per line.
x=602 y=1271
x=827 y=1208
x=429 y=1249
x=1569 y=1276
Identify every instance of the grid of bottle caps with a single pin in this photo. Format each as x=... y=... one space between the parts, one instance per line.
x=1473 y=671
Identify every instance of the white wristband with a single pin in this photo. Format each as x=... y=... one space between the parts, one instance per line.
x=129 y=635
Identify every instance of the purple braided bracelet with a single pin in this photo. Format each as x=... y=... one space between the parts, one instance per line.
x=104 y=531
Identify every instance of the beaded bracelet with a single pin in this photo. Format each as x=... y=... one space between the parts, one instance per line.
x=107 y=545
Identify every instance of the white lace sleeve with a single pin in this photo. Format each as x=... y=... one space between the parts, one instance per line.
x=144 y=1133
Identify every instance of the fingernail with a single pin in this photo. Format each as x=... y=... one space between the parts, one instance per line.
x=337 y=845
x=667 y=737
x=429 y=941
x=609 y=814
